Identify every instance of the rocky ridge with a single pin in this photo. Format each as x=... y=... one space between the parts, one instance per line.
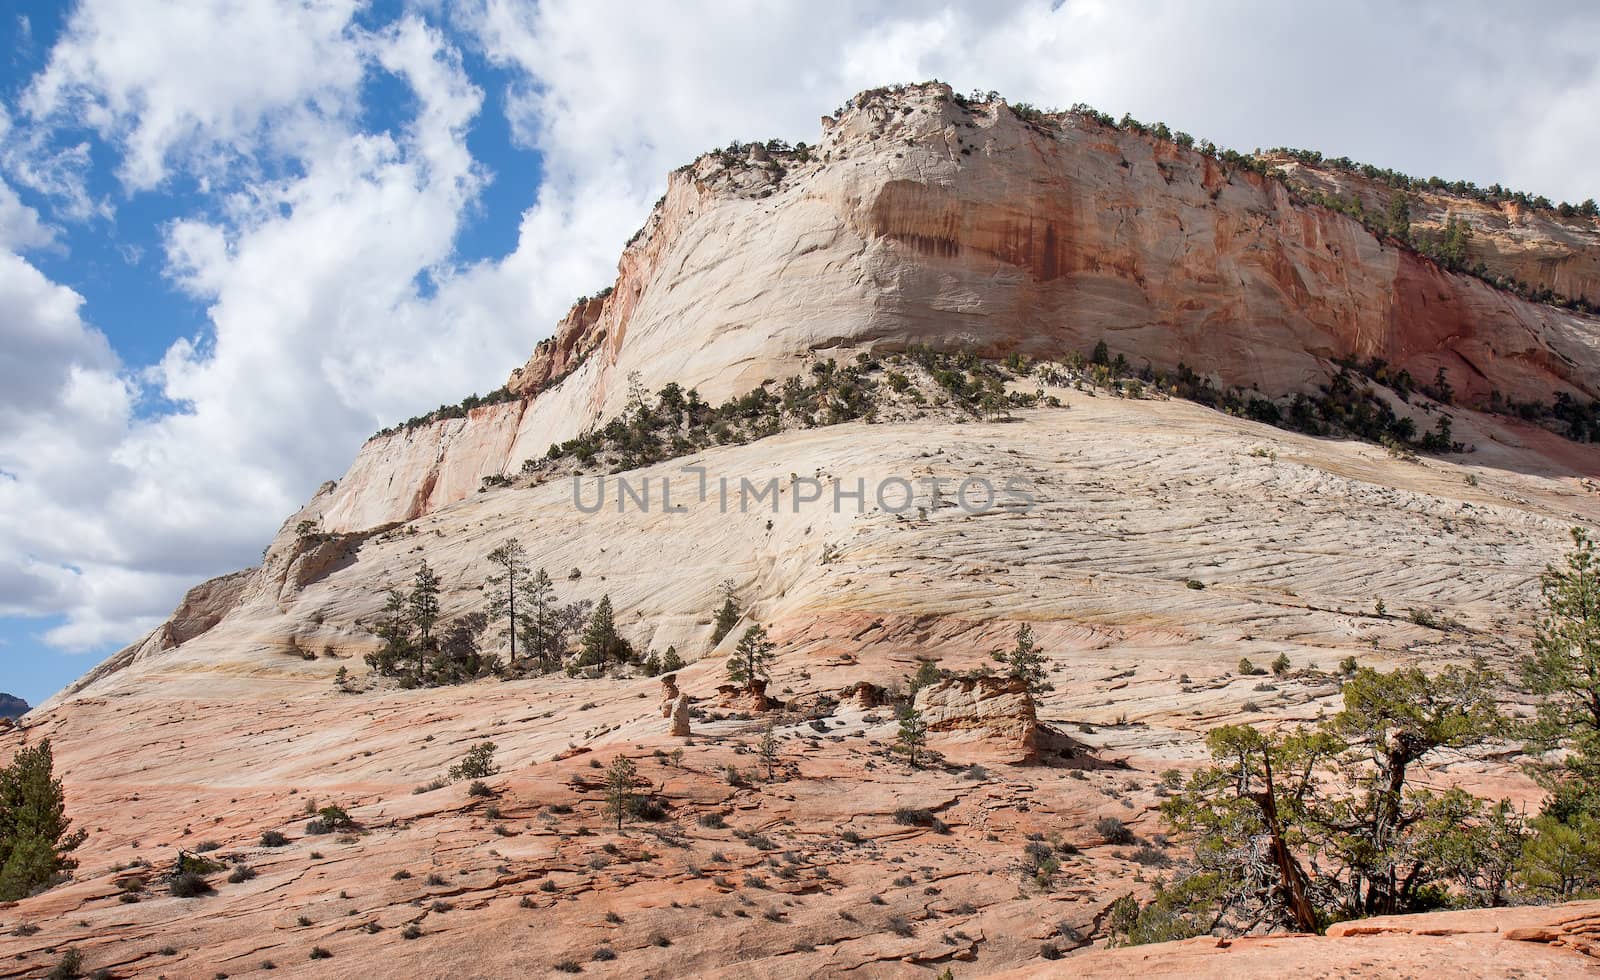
x=920 y=218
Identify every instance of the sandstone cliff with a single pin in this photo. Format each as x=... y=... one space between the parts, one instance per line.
x=921 y=219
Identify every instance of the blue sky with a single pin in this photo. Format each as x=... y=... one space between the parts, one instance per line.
x=237 y=238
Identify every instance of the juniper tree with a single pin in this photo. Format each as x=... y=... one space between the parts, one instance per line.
x=478 y=763
x=752 y=658
x=34 y=837
x=1294 y=829
x=1025 y=662
x=504 y=588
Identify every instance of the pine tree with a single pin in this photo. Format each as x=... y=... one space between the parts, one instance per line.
x=752 y=658
x=727 y=618
x=422 y=606
x=1294 y=828
x=1453 y=250
x=913 y=734
x=1564 y=672
x=619 y=788
x=600 y=640
x=505 y=586
x=1025 y=662
x=34 y=839
x=1564 y=668
x=767 y=748
x=1398 y=217
x=394 y=628
x=544 y=637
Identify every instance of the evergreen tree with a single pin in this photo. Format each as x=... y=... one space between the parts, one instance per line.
x=34 y=839
x=752 y=658
x=1564 y=668
x=1453 y=249
x=478 y=763
x=394 y=628
x=1562 y=861
x=422 y=607
x=1564 y=672
x=504 y=588
x=767 y=748
x=543 y=637
x=912 y=735
x=1026 y=662
x=601 y=644
x=548 y=626
x=928 y=672
x=1302 y=827
x=727 y=617
x=1398 y=217
x=620 y=798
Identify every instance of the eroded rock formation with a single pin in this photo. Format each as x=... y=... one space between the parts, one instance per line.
x=918 y=219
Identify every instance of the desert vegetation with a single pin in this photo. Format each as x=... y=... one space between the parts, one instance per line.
x=35 y=836
x=1305 y=826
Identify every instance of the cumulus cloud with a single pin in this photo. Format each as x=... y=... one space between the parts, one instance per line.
x=109 y=509
x=310 y=225
x=213 y=82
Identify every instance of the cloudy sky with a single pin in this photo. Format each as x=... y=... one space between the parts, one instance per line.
x=238 y=236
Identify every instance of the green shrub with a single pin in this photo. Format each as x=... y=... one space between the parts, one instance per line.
x=188 y=884
x=1113 y=830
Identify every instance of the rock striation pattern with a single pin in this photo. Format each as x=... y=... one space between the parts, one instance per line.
x=919 y=218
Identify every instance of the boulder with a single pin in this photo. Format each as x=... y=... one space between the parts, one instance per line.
x=864 y=695
x=669 y=695
x=680 y=717
x=749 y=697
x=993 y=713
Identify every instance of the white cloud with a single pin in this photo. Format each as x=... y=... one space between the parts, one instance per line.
x=107 y=514
x=20 y=227
x=211 y=82
x=45 y=338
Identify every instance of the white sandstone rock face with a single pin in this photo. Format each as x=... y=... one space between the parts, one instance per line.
x=987 y=707
x=920 y=220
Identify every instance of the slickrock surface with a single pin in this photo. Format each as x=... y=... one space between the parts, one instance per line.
x=1543 y=941
x=236 y=730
